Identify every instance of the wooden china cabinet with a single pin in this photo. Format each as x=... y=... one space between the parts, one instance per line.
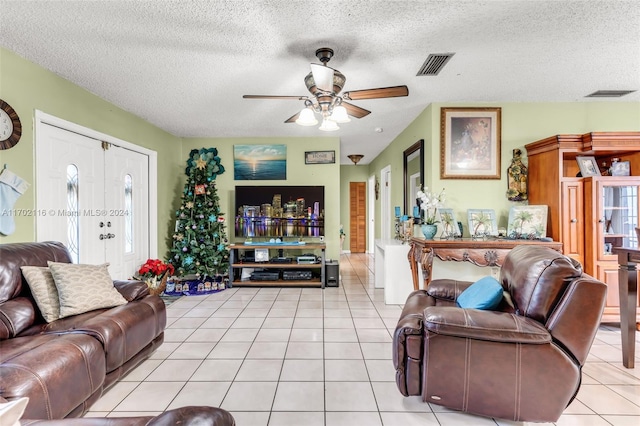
x=589 y=215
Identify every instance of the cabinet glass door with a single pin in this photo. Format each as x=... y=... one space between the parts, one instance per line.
x=619 y=216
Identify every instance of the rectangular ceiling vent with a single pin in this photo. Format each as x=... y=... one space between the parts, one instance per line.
x=434 y=63
x=609 y=93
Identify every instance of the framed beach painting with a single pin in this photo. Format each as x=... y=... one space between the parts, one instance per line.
x=482 y=222
x=470 y=143
x=260 y=162
x=527 y=222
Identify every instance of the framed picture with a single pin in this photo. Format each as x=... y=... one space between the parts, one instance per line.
x=482 y=222
x=470 y=143
x=259 y=162
x=527 y=222
x=319 y=157
x=449 y=225
x=262 y=255
x=620 y=168
x=588 y=166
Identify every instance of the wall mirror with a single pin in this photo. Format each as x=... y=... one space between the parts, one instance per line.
x=413 y=165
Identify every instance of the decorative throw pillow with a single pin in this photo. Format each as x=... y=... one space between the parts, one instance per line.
x=44 y=291
x=10 y=412
x=486 y=293
x=84 y=288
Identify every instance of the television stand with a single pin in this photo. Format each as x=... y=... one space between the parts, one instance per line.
x=278 y=250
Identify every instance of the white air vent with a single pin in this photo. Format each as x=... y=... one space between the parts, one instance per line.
x=609 y=93
x=434 y=63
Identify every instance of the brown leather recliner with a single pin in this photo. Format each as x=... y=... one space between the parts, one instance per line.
x=522 y=362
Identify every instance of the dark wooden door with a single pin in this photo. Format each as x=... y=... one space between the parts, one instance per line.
x=358 y=217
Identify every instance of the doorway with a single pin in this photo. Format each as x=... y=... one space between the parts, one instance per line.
x=371 y=229
x=358 y=217
x=97 y=196
x=385 y=203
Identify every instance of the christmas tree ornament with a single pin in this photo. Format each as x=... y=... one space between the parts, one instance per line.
x=201 y=164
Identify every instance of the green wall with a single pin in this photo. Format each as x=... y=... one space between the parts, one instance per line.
x=522 y=123
x=28 y=87
x=298 y=173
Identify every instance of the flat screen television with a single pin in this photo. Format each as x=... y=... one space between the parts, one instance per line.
x=279 y=211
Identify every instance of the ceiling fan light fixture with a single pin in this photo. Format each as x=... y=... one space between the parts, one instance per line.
x=307 y=118
x=328 y=125
x=339 y=115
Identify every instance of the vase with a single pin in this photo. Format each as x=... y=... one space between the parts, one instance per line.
x=157 y=284
x=429 y=231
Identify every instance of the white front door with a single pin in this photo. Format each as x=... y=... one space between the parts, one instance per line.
x=93 y=197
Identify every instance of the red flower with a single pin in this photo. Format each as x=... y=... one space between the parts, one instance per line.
x=155 y=268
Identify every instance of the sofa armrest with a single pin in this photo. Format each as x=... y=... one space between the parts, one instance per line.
x=194 y=416
x=184 y=416
x=447 y=289
x=131 y=289
x=484 y=325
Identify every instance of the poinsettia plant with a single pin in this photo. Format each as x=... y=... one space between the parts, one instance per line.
x=155 y=268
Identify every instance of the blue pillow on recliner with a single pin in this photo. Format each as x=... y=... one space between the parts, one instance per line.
x=486 y=293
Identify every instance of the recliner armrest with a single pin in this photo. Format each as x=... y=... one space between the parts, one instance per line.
x=131 y=290
x=484 y=325
x=447 y=289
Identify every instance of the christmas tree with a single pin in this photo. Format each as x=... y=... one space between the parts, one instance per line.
x=199 y=241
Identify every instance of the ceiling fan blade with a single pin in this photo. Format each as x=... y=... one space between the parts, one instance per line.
x=382 y=92
x=323 y=77
x=355 y=111
x=297 y=98
x=293 y=118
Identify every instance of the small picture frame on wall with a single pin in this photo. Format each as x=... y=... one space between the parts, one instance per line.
x=319 y=157
x=588 y=166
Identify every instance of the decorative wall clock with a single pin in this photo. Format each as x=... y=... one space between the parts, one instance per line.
x=10 y=126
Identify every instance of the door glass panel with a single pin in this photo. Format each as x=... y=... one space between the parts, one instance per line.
x=128 y=214
x=73 y=214
x=620 y=217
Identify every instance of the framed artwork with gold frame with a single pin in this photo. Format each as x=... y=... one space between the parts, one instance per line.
x=470 y=143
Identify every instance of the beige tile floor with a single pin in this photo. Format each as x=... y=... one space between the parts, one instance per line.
x=313 y=357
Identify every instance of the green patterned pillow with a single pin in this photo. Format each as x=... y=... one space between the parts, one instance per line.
x=84 y=288
x=44 y=291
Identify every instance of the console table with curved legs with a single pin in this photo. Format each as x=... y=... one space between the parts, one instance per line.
x=489 y=252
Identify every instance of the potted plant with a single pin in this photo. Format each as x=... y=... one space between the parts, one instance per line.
x=155 y=273
x=429 y=204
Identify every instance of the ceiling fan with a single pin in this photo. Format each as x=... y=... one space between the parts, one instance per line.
x=325 y=84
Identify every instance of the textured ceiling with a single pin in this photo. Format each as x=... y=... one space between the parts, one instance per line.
x=184 y=65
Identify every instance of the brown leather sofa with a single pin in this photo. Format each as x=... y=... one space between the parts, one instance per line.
x=66 y=365
x=522 y=362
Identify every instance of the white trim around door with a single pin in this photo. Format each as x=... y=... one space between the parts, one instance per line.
x=44 y=119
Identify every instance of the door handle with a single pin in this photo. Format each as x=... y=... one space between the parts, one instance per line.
x=102 y=237
x=109 y=236
x=574 y=220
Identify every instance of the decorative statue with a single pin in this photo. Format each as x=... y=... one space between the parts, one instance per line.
x=517 y=173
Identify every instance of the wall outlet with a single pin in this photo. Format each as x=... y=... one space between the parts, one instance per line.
x=322 y=239
x=495 y=272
